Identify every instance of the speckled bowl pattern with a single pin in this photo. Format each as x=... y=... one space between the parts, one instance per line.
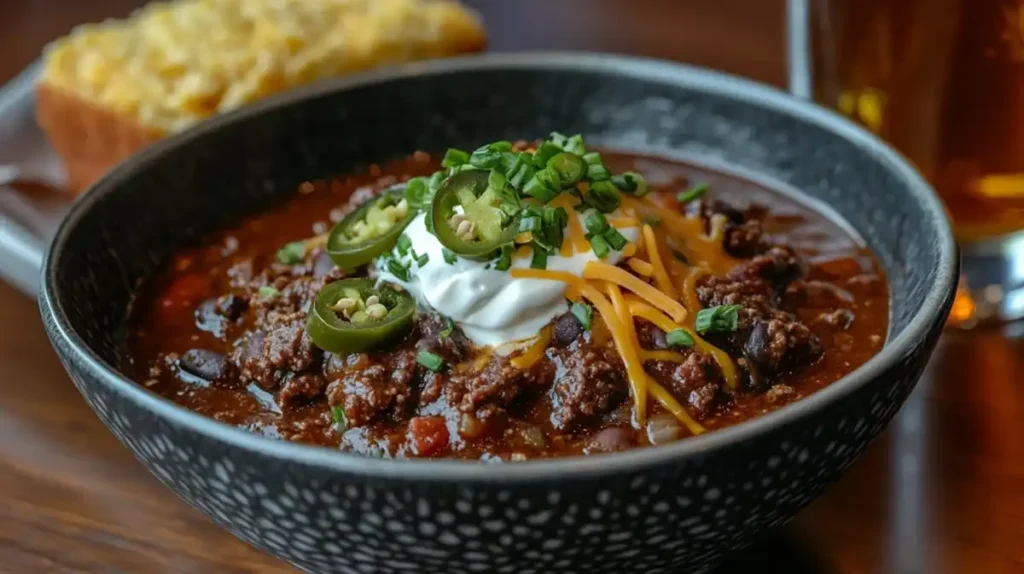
x=676 y=508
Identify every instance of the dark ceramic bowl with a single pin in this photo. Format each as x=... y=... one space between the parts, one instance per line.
x=651 y=510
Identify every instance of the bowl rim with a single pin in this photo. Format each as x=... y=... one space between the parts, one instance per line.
x=932 y=312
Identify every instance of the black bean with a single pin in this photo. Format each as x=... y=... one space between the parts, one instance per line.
x=205 y=364
x=208 y=318
x=232 y=306
x=756 y=348
x=567 y=329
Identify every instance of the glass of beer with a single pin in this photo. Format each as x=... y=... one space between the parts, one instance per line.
x=943 y=82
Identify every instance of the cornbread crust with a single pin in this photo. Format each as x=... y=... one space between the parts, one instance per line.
x=90 y=139
x=92 y=132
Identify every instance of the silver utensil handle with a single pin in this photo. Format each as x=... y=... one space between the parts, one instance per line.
x=23 y=232
x=798 y=48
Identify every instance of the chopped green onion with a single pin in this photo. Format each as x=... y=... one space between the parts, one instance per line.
x=540 y=259
x=679 y=338
x=435 y=181
x=485 y=159
x=461 y=168
x=422 y=260
x=532 y=223
x=568 y=167
x=490 y=156
x=600 y=246
x=267 y=291
x=575 y=145
x=505 y=258
x=545 y=152
x=596 y=171
x=558 y=139
x=432 y=361
x=292 y=253
x=615 y=239
x=338 y=416
x=604 y=196
x=595 y=223
x=454 y=158
x=449 y=256
x=510 y=161
x=509 y=199
x=652 y=220
x=584 y=314
x=543 y=186
x=680 y=257
x=449 y=326
x=403 y=245
x=522 y=173
x=721 y=319
x=631 y=182
x=417 y=192
x=692 y=193
x=554 y=220
x=397 y=269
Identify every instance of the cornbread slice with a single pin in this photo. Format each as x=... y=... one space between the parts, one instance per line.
x=109 y=89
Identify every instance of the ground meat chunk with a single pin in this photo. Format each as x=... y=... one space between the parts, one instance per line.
x=777 y=345
x=840 y=319
x=754 y=296
x=267 y=354
x=697 y=381
x=589 y=381
x=381 y=387
x=297 y=388
x=780 y=394
x=484 y=393
x=241 y=273
x=779 y=266
x=745 y=239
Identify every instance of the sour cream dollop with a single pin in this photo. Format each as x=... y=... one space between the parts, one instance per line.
x=492 y=307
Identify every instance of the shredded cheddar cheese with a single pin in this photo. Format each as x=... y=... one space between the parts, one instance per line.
x=640 y=266
x=605 y=272
x=629 y=250
x=694 y=243
x=672 y=405
x=624 y=221
x=654 y=254
x=690 y=298
x=638 y=379
x=644 y=311
x=535 y=351
x=667 y=356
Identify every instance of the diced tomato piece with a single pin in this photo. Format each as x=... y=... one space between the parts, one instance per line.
x=428 y=435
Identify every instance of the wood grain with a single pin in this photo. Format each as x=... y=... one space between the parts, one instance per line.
x=940 y=492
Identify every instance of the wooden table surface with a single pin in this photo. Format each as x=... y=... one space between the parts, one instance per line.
x=942 y=491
